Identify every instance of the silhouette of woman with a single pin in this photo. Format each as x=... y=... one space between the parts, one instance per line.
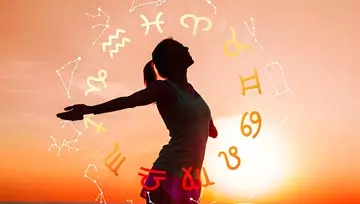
x=184 y=112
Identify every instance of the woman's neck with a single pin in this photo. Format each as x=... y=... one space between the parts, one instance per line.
x=180 y=79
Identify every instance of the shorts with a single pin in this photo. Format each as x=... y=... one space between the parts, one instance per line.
x=170 y=190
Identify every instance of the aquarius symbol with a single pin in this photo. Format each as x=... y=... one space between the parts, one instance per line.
x=256 y=121
x=233 y=151
x=87 y=120
x=196 y=22
x=157 y=179
x=118 y=45
x=257 y=85
x=102 y=74
x=157 y=23
x=114 y=170
x=236 y=43
x=277 y=92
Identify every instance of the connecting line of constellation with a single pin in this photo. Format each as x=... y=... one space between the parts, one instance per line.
x=252 y=32
x=66 y=143
x=68 y=88
x=106 y=25
x=101 y=193
x=161 y=2
x=287 y=88
x=198 y=201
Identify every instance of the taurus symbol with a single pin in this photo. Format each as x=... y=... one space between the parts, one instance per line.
x=196 y=22
x=236 y=43
x=157 y=23
x=233 y=151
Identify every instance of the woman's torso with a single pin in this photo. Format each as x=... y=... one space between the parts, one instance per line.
x=187 y=119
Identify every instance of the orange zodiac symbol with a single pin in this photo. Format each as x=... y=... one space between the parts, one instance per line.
x=253 y=77
x=156 y=178
x=256 y=121
x=233 y=151
x=207 y=179
x=114 y=170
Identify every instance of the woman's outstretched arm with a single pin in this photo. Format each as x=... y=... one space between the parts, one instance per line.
x=143 y=97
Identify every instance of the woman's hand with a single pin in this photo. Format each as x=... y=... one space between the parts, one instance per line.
x=75 y=112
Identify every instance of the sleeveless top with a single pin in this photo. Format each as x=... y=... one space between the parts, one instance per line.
x=188 y=124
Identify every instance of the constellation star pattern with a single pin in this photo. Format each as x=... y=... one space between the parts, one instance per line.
x=209 y=2
x=68 y=88
x=252 y=32
x=198 y=201
x=106 y=25
x=100 y=197
x=157 y=3
x=287 y=88
x=66 y=143
x=148 y=194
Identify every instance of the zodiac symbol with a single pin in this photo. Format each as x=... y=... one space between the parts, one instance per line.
x=157 y=23
x=188 y=177
x=67 y=88
x=207 y=179
x=287 y=89
x=196 y=22
x=87 y=120
x=101 y=193
x=157 y=3
x=106 y=25
x=118 y=45
x=156 y=178
x=114 y=170
x=236 y=43
x=102 y=74
x=257 y=85
x=253 y=121
x=233 y=151
x=253 y=32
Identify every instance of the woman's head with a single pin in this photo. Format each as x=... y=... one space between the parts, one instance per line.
x=170 y=58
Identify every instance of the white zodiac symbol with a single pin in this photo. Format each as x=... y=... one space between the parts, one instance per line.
x=157 y=23
x=196 y=22
x=118 y=45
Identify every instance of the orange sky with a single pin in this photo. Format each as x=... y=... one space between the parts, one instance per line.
x=312 y=158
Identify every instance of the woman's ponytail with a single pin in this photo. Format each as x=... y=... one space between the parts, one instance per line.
x=149 y=73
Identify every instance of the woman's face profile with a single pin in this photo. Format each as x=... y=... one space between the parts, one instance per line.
x=177 y=55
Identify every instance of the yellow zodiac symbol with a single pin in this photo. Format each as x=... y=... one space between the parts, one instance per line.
x=104 y=45
x=114 y=170
x=256 y=121
x=87 y=120
x=257 y=85
x=196 y=22
x=233 y=151
x=102 y=74
x=239 y=46
x=157 y=23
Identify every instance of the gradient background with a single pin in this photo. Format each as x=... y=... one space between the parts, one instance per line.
x=312 y=158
